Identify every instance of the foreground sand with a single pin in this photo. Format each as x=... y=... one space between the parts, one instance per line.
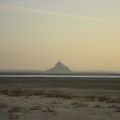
x=59 y=104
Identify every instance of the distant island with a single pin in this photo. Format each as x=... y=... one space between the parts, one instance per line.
x=59 y=68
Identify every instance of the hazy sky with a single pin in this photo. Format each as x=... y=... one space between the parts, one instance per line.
x=83 y=34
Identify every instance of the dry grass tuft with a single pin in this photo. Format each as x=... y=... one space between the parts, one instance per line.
x=97 y=106
x=27 y=93
x=57 y=94
x=50 y=109
x=35 y=107
x=13 y=116
x=117 y=109
x=15 y=109
x=3 y=105
x=79 y=103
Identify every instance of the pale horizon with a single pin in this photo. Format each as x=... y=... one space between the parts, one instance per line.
x=84 y=35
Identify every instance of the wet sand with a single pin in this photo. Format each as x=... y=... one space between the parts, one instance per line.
x=56 y=99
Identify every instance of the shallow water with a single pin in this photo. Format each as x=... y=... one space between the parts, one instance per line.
x=64 y=76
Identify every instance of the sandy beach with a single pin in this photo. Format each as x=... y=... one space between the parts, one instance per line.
x=59 y=104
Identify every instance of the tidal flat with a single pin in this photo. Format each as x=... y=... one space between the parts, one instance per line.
x=59 y=99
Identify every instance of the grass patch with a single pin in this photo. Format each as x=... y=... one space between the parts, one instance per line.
x=15 y=109
x=57 y=94
x=79 y=103
x=50 y=109
x=3 y=105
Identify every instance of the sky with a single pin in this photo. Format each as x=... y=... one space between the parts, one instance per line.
x=83 y=34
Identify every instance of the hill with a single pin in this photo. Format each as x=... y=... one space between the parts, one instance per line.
x=59 y=68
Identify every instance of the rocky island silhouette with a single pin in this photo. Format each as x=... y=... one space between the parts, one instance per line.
x=59 y=67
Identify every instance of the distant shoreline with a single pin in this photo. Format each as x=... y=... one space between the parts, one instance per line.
x=57 y=76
